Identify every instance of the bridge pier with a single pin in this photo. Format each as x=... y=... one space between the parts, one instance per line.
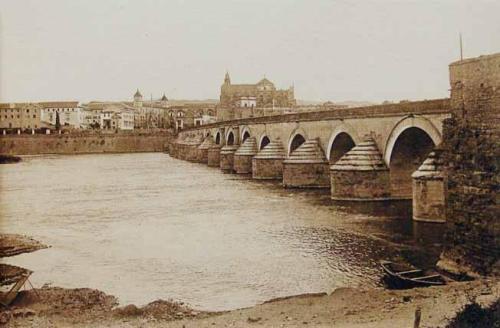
x=428 y=190
x=227 y=158
x=191 y=152
x=214 y=155
x=268 y=163
x=243 y=156
x=306 y=167
x=361 y=174
x=203 y=149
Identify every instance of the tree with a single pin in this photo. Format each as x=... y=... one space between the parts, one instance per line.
x=58 y=121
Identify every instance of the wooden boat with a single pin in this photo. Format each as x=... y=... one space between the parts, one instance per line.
x=12 y=278
x=400 y=276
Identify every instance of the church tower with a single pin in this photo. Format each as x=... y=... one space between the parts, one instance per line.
x=227 y=79
x=225 y=91
x=137 y=99
x=164 y=100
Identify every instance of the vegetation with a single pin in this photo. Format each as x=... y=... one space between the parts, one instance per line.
x=58 y=121
x=473 y=315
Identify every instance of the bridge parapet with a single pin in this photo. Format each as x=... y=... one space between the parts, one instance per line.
x=436 y=106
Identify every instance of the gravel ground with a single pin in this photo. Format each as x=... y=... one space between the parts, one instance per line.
x=345 y=307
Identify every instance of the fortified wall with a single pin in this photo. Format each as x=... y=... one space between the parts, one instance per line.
x=81 y=144
x=472 y=160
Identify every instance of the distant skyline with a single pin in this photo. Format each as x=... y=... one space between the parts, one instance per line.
x=328 y=49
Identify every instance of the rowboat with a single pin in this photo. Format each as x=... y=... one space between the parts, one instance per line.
x=12 y=279
x=400 y=276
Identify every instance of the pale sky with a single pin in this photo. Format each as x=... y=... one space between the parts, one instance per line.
x=330 y=50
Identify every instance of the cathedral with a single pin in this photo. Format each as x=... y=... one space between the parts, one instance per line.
x=260 y=95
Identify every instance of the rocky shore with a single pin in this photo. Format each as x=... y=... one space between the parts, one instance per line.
x=345 y=307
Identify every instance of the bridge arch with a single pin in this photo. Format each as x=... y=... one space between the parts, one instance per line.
x=409 y=143
x=245 y=133
x=342 y=139
x=264 y=141
x=230 y=137
x=218 y=138
x=297 y=138
x=410 y=122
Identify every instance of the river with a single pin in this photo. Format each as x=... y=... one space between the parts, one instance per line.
x=146 y=226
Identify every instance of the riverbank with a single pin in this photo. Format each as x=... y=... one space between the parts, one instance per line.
x=87 y=143
x=14 y=244
x=345 y=307
x=8 y=159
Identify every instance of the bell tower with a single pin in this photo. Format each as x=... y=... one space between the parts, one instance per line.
x=137 y=99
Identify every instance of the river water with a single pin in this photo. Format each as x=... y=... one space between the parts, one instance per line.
x=146 y=226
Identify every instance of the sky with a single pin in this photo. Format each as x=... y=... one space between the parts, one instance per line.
x=372 y=50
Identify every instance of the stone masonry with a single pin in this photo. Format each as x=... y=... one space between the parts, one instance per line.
x=268 y=163
x=307 y=167
x=472 y=161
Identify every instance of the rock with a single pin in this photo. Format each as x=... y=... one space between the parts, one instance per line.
x=5 y=317
x=129 y=310
x=406 y=298
x=486 y=291
x=250 y=319
x=23 y=313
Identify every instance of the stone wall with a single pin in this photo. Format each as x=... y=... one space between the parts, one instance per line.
x=360 y=185
x=79 y=144
x=428 y=200
x=306 y=175
x=472 y=161
x=270 y=169
x=214 y=157
x=242 y=164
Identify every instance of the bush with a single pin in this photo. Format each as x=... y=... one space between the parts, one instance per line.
x=473 y=315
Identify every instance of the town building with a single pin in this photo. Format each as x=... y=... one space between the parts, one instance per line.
x=189 y=115
x=70 y=114
x=247 y=100
x=20 y=116
x=261 y=94
x=108 y=116
x=162 y=113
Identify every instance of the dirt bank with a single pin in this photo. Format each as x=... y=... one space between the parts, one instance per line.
x=345 y=307
x=8 y=159
x=13 y=244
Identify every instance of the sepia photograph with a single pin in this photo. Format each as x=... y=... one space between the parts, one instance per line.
x=250 y=163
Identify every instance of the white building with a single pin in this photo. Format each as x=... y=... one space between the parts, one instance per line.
x=108 y=116
x=70 y=114
x=117 y=119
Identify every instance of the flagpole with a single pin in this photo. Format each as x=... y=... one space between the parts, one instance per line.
x=461 y=48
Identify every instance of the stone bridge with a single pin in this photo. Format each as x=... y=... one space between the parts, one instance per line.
x=365 y=153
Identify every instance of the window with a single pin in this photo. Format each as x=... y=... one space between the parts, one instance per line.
x=34 y=115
